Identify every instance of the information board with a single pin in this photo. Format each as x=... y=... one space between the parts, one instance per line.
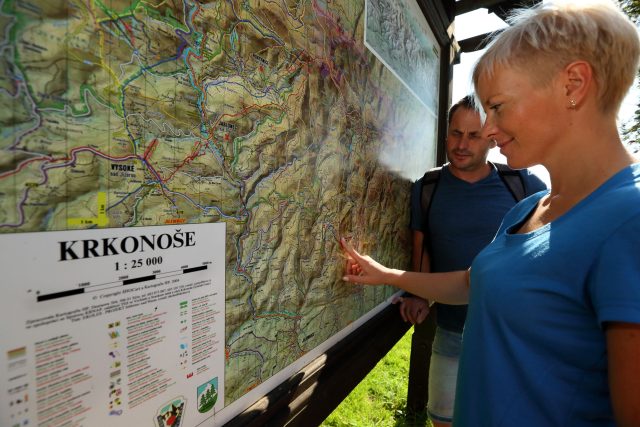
x=116 y=323
x=273 y=119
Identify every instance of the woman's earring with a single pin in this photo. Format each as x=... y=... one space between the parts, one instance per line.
x=572 y=104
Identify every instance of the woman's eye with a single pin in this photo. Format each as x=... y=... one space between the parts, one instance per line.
x=495 y=107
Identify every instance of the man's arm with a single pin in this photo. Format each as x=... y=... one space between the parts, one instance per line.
x=419 y=256
x=415 y=309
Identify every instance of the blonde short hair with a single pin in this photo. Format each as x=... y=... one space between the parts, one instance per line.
x=544 y=39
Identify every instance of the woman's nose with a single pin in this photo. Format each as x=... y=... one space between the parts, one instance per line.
x=489 y=130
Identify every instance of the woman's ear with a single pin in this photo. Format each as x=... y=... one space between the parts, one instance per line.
x=578 y=81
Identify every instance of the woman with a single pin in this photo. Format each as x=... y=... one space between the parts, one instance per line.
x=553 y=329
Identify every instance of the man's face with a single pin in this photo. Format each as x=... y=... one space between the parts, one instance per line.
x=467 y=150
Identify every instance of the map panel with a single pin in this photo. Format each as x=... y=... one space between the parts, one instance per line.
x=272 y=117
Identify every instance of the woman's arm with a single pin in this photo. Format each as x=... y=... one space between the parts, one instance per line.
x=448 y=288
x=623 y=348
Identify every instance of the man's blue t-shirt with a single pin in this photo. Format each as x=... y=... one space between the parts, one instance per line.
x=534 y=347
x=463 y=219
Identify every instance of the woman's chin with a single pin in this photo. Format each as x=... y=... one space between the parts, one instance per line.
x=512 y=161
x=515 y=163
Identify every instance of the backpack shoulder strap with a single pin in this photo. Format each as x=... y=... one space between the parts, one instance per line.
x=429 y=185
x=513 y=180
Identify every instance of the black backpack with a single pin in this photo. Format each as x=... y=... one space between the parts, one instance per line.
x=512 y=179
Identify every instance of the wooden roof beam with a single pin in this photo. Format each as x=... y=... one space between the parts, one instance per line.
x=500 y=7
x=464 y=6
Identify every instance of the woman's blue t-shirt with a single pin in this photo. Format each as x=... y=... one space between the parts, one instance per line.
x=534 y=347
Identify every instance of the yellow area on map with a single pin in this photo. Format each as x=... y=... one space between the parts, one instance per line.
x=101 y=220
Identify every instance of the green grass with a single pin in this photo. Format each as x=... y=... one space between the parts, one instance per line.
x=380 y=399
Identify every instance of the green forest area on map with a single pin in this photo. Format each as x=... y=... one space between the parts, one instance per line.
x=272 y=117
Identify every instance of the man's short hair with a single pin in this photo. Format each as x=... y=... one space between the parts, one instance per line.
x=468 y=103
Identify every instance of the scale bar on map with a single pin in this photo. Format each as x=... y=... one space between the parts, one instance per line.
x=125 y=282
x=138 y=279
x=60 y=294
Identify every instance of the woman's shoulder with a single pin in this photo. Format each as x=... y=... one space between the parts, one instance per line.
x=616 y=201
x=622 y=190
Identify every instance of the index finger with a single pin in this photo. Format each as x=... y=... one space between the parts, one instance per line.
x=349 y=250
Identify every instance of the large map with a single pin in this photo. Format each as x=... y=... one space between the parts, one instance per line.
x=269 y=116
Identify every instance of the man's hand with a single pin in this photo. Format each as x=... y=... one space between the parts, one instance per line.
x=413 y=309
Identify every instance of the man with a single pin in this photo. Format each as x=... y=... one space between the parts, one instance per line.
x=467 y=204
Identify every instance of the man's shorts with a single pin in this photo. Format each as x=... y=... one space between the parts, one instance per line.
x=443 y=373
